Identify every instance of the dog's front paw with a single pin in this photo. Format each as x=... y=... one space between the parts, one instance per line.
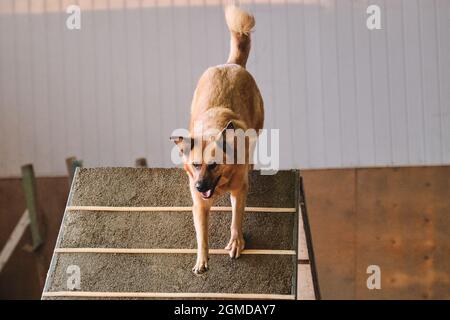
x=201 y=266
x=235 y=246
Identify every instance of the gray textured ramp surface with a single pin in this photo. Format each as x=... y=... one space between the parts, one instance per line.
x=273 y=274
x=134 y=187
x=172 y=273
x=151 y=230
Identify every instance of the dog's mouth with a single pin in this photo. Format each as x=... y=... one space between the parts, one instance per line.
x=209 y=193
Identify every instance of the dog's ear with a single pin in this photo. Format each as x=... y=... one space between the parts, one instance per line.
x=230 y=126
x=226 y=142
x=222 y=134
x=185 y=144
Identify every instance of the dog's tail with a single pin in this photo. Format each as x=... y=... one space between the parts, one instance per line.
x=240 y=23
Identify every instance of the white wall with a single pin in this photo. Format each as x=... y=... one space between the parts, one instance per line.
x=342 y=95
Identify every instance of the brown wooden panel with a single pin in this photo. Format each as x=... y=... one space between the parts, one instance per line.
x=403 y=226
x=397 y=218
x=19 y=279
x=330 y=196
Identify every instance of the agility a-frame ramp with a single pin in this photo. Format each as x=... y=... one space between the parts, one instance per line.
x=127 y=233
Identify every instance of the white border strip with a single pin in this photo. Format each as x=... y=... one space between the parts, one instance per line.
x=166 y=209
x=91 y=294
x=170 y=251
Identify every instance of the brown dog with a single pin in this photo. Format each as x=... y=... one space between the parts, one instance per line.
x=226 y=98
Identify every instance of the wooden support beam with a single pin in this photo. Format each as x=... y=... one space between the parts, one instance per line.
x=29 y=188
x=141 y=163
x=71 y=164
x=14 y=239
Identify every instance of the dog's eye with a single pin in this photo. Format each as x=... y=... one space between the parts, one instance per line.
x=196 y=165
x=212 y=165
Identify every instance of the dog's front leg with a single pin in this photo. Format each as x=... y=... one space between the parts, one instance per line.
x=238 y=200
x=201 y=213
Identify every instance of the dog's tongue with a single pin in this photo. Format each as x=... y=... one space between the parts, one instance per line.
x=206 y=194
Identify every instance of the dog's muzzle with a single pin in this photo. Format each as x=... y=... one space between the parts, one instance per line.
x=206 y=188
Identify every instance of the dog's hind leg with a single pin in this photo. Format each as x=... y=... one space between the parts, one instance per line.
x=238 y=200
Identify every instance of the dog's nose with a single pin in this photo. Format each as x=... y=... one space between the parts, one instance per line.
x=202 y=186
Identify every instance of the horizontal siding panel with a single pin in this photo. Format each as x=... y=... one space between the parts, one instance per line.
x=341 y=95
